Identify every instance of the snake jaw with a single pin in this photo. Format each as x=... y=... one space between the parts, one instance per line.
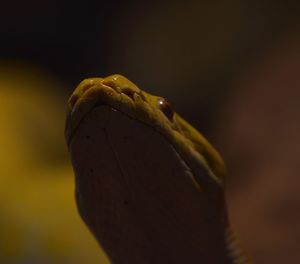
x=119 y=100
x=121 y=94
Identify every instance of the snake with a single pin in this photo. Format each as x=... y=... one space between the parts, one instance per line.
x=148 y=185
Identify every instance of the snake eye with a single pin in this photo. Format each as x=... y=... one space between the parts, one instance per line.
x=166 y=108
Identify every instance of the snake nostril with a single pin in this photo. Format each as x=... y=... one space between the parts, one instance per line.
x=129 y=92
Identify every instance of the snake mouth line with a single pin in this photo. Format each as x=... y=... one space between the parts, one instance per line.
x=70 y=132
x=97 y=92
x=103 y=100
x=100 y=103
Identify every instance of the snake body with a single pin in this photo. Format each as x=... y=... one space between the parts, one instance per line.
x=148 y=185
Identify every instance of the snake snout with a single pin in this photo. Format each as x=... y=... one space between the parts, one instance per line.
x=129 y=92
x=82 y=88
x=125 y=90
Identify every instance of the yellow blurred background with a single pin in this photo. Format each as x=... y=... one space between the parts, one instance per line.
x=231 y=68
x=39 y=221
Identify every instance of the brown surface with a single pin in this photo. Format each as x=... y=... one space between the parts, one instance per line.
x=262 y=148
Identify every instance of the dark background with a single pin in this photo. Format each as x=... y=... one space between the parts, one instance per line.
x=206 y=43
